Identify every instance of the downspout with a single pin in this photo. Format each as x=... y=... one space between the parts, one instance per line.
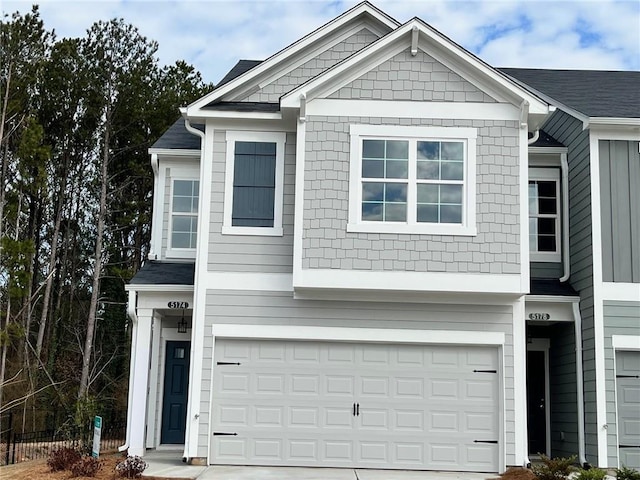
x=564 y=169
x=131 y=311
x=154 y=166
x=580 y=383
x=535 y=137
x=185 y=453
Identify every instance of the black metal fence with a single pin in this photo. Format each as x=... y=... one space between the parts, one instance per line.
x=16 y=447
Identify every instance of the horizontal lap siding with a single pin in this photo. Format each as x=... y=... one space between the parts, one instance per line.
x=245 y=253
x=546 y=270
x=569 y=131
x=272 y=308
x=563 y=386
x=166 y=212
x=328 y=245
x=620 y=318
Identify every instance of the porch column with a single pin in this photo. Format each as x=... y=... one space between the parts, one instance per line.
x=140 y=374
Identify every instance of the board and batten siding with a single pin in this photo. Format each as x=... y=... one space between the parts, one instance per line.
x=280 y=308
x=620 y=318
x=250 y=253
x=328 y=245
x=620 y=210
x=568 y=130
x=311 y=68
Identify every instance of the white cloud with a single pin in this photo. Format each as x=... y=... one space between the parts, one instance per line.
x=213 y=34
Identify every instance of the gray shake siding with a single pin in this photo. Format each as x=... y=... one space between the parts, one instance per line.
x=419 y=78
x=279 y=308
x=620 y=318
x=620 y=206
x=273 y=91
x=328 y=245
x=244 y=253
x=569 y=132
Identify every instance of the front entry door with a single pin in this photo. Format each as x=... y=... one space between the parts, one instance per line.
x=174 y=404
x=536 y=404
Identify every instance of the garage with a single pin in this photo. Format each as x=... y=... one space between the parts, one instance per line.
x=628 y=394
x=332 y=404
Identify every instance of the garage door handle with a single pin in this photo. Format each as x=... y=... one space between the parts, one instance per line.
x=229 y=434
x=354 y=409
x=358 y=409
x=485 y=441
x=629 y=446
x=485 y=371
x=227 y=363
x=627 y=376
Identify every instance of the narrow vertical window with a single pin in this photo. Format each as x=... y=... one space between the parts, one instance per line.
x=544 y=216
x=184 y=213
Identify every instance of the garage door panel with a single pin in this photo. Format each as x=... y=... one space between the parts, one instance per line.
x=293 y=404
x=628 y=406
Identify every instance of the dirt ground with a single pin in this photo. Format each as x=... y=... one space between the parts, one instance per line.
x=38 y=470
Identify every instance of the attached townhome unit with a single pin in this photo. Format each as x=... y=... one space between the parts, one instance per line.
x=374 y=250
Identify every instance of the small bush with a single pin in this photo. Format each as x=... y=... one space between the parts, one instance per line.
x=131 y=467
x=591 y=474
x=86 y=467
x=626 y=473
x=554 y=468
x=517 y=473
x=62 y=458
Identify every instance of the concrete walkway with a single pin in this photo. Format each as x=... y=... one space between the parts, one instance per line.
x=168 y=464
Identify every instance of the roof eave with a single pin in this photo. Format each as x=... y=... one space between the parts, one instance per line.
x=176 y=152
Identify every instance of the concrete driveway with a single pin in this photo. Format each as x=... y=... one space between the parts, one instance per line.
x=169 y=465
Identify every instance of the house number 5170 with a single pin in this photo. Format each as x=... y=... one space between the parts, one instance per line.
x=178 y=304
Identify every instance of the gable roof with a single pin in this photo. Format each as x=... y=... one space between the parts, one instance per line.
x=177 y=137
x=238 y=69
x=364 y=11
x=594 y=93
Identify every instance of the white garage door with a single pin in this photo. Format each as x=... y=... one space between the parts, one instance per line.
x=355 y=405
x=628 y=393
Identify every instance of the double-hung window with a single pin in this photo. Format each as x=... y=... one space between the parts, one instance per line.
x=412 y=180
x=184 y=213
x=544 y=214
x=254 y=183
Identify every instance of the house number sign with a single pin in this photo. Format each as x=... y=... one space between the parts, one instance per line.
x=539 y=316
x=175 y=304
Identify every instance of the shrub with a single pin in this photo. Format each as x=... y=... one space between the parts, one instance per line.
x=86 y=467
x=131 y=467
x=626 y=473
x=62 y=458
x=554 y=468
x=591 y=474
x=517 y=473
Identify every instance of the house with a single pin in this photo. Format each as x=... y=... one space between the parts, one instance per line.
x=373 y=249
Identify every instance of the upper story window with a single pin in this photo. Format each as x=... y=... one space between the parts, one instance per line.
x=544 y=214
x=412 y=180
x=184 y=214
x=254 y=183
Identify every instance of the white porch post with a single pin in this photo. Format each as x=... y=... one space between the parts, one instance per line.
x=140 y=373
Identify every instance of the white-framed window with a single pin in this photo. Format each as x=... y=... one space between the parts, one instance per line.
x=412 y=180
x=544 y=215
x=254 y=179
x=184 y=214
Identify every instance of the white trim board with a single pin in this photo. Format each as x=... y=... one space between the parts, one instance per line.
x=624 y=292
x=408 y=281
x=274 y=282
x=625 y=342
x=369 y=335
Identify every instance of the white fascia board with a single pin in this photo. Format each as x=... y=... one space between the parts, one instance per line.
x=549 y=150
x=175 y=152
x=265 y=282
x=552 y=299
x=157 y=288
x=408 y=281
x=456 y=58
x=295 y=48
x=409 y=109
x=614 y=121
x=229 y=114
x=369 y=335
x=625 y=342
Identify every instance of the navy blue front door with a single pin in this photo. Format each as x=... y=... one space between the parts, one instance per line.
x=174 y=404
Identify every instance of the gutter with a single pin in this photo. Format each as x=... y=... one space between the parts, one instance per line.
x=131 y=311
x=580 y=383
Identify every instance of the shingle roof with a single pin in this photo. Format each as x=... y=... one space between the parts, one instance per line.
x=546 y=140
x=238 y=69
x=156 y=272
x=594 y=93
x=546 y=286
x=177 y=137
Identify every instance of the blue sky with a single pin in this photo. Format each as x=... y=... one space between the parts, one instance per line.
x=213 y=34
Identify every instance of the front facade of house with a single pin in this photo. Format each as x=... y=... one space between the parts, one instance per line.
x=367 y=252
